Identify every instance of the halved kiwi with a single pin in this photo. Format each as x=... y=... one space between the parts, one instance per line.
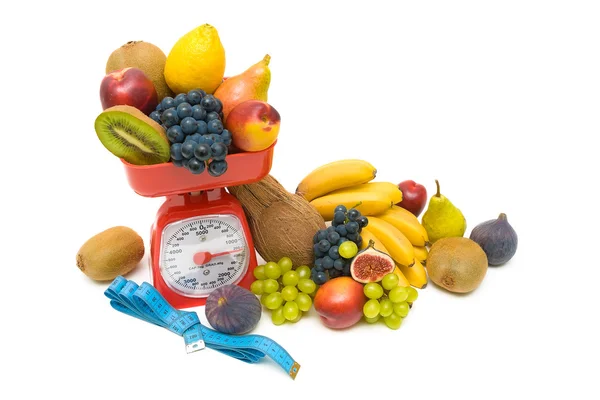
x=131 y=135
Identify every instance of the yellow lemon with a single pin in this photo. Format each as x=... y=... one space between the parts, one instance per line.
x=196 y=61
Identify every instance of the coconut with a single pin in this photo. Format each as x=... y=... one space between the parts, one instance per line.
x=282 y=224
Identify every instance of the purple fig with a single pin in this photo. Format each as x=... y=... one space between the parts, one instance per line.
x=497 y=239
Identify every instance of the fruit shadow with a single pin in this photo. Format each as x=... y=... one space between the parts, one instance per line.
x=442 y=290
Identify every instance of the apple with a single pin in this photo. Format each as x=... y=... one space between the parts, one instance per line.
x=339 y=302
x=128 y=87
x=414 y=197
x=254 y=125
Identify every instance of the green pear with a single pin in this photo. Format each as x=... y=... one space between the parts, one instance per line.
x=442 y=219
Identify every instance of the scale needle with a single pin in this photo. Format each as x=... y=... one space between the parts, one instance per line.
x=203 y=257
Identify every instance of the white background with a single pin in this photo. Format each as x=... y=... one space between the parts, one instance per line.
x=498 y=100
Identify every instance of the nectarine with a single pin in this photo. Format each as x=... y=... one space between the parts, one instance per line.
x=254 y=125
x=339 y=302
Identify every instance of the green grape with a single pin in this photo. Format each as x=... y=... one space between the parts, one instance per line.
x=270 y=286
x=263 y=298
x=398 y=294
x=412 y=294
x=371 y=308
x=274 y=301
x=290 y=310
x=373 y=290
x=304 y=301
x=290 y=278
x=401 y=309
x=390 y=281
x=372 y=320
x=286 y=264
x=257 y=287
x=289 y=293
x=386 y=307
x=277 y=316
x=307 y=285
x=259 y=272
x=393 y=321
x=293 y=321
x=303 y=272
x=348 y=249
x=272 y=270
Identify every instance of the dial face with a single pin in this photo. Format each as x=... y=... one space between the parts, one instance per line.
x=200 y=254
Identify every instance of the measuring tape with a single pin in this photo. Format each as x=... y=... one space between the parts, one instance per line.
x=146 y=303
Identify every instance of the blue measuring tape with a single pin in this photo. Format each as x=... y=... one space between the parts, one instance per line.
x=146 y=303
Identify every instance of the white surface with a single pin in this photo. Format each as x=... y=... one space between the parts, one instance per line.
x=498 y=101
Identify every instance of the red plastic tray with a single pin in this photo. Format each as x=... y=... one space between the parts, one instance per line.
x=166 y=179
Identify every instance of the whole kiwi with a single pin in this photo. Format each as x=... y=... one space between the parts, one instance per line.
x=457 y=264
x=113 y=252
x=145 y=56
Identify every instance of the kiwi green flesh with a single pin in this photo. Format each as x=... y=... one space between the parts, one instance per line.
x=131 y=139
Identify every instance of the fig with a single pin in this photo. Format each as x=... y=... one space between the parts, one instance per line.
x=232 y=309
x=497 y=239
x=371 y=265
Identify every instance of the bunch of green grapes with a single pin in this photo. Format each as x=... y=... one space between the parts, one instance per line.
x=388 y=300
x=286 y=291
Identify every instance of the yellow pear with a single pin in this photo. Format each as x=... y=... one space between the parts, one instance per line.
x=252 y=84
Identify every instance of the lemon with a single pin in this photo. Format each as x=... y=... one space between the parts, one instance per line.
x=196 y=61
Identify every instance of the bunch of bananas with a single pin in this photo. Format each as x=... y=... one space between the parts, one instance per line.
x=394 y=230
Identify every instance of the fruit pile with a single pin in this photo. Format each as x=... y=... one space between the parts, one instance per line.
x=180 y=108
x=194 y=126
x=284 y=290
x=335 y=246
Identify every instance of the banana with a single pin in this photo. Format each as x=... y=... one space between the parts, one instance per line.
x=421 y=253
x=388 y=188
x=366 y=236
x=407 y=223
x=416 y=275
x=335 y=175
x=399 y=247
x=402 y=279
x=368 y=203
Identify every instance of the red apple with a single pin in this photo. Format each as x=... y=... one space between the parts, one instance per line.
x=414 y=197
x=254 y=125
x=339 y=302
x=128 y=87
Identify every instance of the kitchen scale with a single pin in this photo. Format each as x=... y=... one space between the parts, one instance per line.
x=200 y=239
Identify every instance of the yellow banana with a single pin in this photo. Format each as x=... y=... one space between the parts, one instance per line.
x=388 y=188
x=368 y=203
x=335 y=175
x=421 y=253
x=366 y=236
x=407 y=223
x=398 y=246
x=416 y=275
x=402 y=279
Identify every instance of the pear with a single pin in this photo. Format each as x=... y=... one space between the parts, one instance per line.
x=442 y=218
x=252 y=84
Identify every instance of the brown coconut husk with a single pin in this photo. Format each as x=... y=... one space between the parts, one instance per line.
x=282 y=224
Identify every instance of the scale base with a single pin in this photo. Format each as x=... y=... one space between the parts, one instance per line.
x=189 y=205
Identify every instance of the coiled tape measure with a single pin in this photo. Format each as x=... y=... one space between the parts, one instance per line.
x=146 y=303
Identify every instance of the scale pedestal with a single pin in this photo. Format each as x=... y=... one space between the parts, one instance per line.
x=200 y=239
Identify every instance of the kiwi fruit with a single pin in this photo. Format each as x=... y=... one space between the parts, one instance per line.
x=113 y=252
x=457 y=264
x=145 y=56
x=131 y=135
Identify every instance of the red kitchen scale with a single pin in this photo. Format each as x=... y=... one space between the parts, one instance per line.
x=200 y=239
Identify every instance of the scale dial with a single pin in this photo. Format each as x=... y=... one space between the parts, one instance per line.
x=200 y=254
